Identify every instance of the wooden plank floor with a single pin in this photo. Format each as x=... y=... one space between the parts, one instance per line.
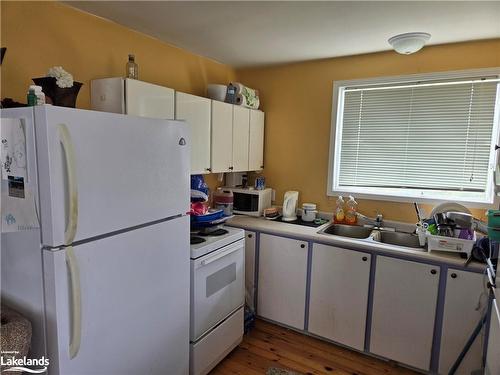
x=268 y=345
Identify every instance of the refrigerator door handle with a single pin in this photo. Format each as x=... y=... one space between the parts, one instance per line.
x=69 y=236
x=75 y=303
x=69 y=153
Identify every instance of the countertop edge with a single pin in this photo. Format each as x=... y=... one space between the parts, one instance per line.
x=310 y=234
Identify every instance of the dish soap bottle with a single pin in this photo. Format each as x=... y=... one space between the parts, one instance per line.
x=132 y=68
x=351 y=216
x=339 y=215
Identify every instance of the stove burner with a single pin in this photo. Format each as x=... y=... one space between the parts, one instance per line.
x=215 y=233
x=196 y=240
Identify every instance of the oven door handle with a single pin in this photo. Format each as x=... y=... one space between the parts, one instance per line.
x=222 y=254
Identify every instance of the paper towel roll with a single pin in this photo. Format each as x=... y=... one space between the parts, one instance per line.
x=216 y=92
x=244 y=96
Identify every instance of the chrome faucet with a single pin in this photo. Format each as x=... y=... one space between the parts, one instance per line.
x=377 y=222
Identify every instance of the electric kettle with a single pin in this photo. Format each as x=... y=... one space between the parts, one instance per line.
x=290 y=206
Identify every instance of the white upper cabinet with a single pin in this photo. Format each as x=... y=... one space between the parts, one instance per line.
x=196 y=111
x=464 y=305
x=256 y=141
x=241 y=129
x=222 y=137
x=237 y=143
x=339 y=295
x=404 y=309
x=132 y=97
x=149 y=100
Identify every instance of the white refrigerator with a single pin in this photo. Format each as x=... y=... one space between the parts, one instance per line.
x=95 y=251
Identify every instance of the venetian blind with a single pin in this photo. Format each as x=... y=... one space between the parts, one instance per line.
x=418 y=136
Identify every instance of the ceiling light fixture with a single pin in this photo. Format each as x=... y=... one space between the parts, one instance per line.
x=408 y=43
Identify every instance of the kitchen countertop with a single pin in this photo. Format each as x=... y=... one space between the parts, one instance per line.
x=311 y=234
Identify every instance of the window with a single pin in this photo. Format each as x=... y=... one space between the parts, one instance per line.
x=422 y=137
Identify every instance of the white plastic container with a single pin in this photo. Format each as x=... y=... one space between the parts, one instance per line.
x=450 y=244
x=216 y=92
x=309 y=211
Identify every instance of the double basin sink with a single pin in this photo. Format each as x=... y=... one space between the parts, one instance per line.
x=379 y=235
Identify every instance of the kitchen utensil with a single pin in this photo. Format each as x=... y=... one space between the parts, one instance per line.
x=309 y=211
x=419 y=217
x=449 y=206
x=290 y=205
x=445 y=230
x=440 y=219
x=461 y=219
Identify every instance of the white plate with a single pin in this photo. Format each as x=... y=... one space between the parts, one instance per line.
x=449 y=206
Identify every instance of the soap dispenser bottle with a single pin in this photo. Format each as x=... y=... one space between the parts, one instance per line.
x=351 y=216
x=339 y=215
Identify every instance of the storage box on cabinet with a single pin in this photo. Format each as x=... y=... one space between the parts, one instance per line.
x=339 y=294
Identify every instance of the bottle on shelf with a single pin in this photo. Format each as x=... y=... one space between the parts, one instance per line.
x=132 y=68
x=351 y=215
x=339 y=214
x=31 y=98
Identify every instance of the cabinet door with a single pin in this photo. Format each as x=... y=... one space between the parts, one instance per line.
x=282 y=280
x=256 y=141
x=149 y=100
x=222 y=137
x=339 y=294
x=463 y=308
x=197 y=113
x=241 y=132
x=404 y=309
x=493 y=358
x=250 y=269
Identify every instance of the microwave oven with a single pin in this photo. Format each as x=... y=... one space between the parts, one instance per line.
x=250 y=201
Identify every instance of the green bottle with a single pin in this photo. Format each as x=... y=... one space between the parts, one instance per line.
x=31 y=98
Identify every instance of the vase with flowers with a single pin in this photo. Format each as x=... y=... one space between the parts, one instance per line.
x=59 y=87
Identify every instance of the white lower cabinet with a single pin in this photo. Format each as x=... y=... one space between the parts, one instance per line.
x=464 y=306
x=250 y=268
x=339 y=294
x=404 y=310
x=282 y=280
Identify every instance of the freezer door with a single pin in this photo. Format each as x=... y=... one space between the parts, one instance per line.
x=133 y=310
x=101 y=172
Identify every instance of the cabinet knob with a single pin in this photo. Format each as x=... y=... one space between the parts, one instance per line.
x=249 y=236
x=302 y=245
x=231 y=168
x=364 y=259
x=261 y=167
x=433 y=272
x=208 y=169
x=453 y=275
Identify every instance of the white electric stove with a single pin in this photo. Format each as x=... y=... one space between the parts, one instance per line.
x=217 y=296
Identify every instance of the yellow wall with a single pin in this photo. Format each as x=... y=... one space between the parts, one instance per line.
x=295 y=97
x=39 y=35
x=297 y=100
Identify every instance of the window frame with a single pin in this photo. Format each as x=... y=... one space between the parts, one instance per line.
x=487 y=199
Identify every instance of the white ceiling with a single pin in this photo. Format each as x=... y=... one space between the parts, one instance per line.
x=250 y=33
